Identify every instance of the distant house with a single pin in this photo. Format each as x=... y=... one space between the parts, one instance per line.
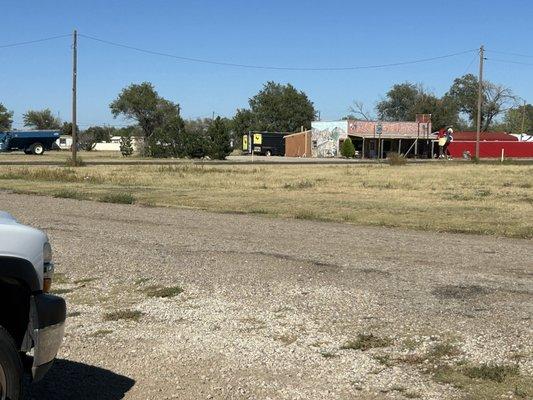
x=114 y=144
x=64 y=142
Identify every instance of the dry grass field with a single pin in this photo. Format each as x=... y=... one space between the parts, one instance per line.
x=487 y=199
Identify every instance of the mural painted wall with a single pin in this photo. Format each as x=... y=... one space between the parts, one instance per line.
x=325 y=136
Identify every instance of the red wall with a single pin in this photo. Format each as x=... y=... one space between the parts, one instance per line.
x=492 y=149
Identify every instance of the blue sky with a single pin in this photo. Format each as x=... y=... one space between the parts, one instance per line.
x=280 y=33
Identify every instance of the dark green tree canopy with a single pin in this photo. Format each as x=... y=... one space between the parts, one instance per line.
x=497 y=99
x=141 y=103
x=519 y=119
x=6 y=118
x=219 y=137
x=41 y=119
x=403 y=101
x=276 y=108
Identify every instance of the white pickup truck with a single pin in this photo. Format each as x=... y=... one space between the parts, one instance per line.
x=31 y=320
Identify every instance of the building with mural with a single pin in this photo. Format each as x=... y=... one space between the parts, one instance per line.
x=373 y=138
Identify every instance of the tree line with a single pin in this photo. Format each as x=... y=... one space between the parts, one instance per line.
x=501 y=109
x=164 y=133
x=281 y=108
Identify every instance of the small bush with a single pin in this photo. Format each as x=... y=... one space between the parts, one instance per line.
x=69 y=194
x=496 y=373
x=126 y=145
x=133 y=315
x=78 y=162
x=305 y=184
x=347 y=148
x=163 y=292
x=119 y=198
x=365 y=342
x=396 y=159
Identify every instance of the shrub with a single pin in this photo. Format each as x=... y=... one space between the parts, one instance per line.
x=133 y=315
x=78 y=162
x=69 y=194
x=396 y=159
x=347 y=148
x=365 y=342
x=119 y=198
x=163 y=292
x=126 y=146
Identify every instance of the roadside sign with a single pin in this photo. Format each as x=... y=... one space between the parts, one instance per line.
x=258 y=138
x=245 y=142
x=379 y=129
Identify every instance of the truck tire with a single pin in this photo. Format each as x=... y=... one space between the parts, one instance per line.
x=10 y=368
x=37 y=149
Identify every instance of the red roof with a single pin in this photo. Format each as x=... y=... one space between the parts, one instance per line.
x=484 y=136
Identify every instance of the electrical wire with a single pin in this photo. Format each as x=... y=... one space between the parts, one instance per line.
x=508 y=61
x=34 y=41
x=510 y=54
x=470 y=65
x=228 y=64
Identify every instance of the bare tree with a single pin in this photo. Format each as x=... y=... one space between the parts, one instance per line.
x=358 y=111
x=498 y=100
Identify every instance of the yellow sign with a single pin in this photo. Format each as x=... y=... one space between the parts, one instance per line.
x=245 y=142
x=258 y=138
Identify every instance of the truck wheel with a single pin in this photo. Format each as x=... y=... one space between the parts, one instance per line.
x=10 y=368
x=37 y=148
x=268 y=153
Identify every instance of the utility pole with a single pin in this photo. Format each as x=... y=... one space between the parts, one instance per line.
x=479 y=99
x=74 y=146
x=523 y=119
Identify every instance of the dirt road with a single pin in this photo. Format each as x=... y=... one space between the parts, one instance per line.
x=275 y=309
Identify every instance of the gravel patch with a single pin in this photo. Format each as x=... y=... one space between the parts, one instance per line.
x=267 y=304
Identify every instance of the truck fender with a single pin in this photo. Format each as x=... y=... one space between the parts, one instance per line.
x=21 y=270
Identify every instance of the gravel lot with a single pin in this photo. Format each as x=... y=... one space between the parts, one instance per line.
x=268 y=304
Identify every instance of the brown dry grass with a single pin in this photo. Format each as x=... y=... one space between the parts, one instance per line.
x=487 y=198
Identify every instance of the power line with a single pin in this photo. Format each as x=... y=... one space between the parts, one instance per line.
x=510 y=54
x=508 y=61
x=469 y=65
x=228 y=64
x=34 y=41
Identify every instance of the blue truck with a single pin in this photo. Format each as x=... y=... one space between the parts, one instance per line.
x=30 y=142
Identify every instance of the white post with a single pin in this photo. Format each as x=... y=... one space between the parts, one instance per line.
x=503 y=151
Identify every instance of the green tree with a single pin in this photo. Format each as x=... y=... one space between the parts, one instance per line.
x=496 y=99
x=6 y=118
x=404 y=101
x=278 y=108
x=241 y=124
x=517 y=117
x=399 y=102
x=168 y=139
x=141 y=103
x=347 y=148
x=66 y=128
x=219 y=137
x=41 y=119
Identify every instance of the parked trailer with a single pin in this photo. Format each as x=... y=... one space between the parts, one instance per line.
x=30 y=142
x=264 y=143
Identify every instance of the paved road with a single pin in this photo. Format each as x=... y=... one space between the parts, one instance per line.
x=268 y=304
